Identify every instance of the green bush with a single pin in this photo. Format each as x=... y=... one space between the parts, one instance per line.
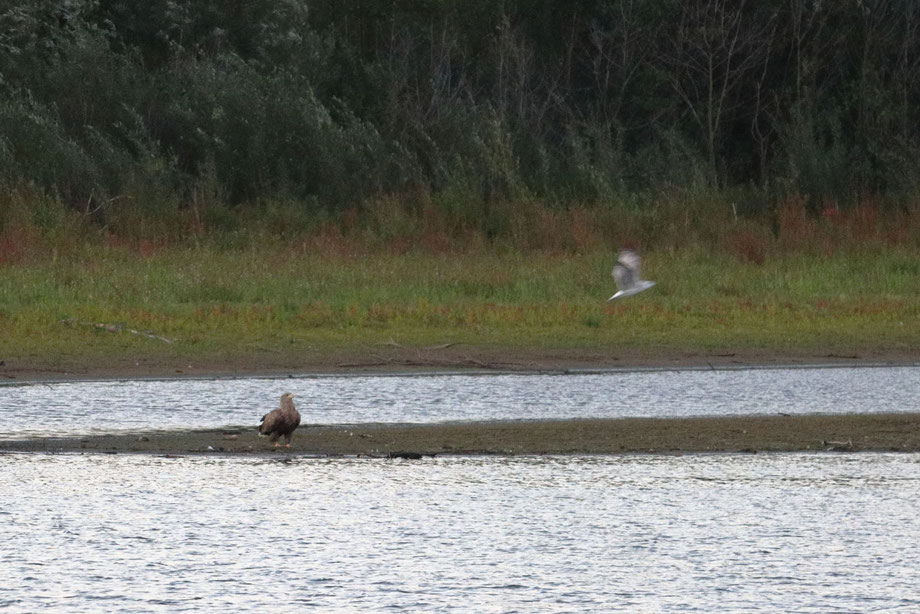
x=200 y=111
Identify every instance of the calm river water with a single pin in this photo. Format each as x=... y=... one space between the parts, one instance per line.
x=106 y=406
x=698 y=533
x=701 y=533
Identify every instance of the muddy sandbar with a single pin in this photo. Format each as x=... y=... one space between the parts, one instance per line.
x=777 y=433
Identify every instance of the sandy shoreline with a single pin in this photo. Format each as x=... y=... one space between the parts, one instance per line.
x=780 y=433
x=394 y=359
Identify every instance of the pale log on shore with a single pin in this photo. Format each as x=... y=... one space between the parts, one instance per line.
x=115 y=328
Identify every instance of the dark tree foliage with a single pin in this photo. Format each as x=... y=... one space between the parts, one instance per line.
x=328 y=102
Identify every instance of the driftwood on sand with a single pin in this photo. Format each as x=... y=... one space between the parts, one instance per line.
x=115 y=328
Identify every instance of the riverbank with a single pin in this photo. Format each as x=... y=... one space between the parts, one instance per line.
x=200 y=311
x=780 y=433
x=393 y=358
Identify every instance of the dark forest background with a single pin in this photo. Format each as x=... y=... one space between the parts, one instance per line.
x=136 y=110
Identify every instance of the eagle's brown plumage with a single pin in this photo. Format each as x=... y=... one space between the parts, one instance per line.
x=281 y=421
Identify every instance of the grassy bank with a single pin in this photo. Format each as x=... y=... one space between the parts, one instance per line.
x=305 y=184
x=290 y=306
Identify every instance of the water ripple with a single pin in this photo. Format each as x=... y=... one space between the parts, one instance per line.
x=737 y=533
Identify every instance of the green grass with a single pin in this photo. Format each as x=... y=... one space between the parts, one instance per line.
x=216 y=302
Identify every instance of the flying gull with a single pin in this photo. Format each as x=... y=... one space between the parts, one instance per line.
x=626 y=274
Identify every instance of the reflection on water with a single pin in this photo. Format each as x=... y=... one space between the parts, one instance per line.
x=85 y=407
x=744 y=533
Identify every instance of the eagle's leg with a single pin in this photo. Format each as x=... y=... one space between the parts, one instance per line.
x=287 y=438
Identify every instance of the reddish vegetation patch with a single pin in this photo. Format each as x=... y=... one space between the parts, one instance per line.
x=748 y=244
x=15 y=242
x=410 y=222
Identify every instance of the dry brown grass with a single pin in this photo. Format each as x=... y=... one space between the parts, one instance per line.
x=399 y=224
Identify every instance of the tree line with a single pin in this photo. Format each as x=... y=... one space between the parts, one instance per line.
x=328 y=104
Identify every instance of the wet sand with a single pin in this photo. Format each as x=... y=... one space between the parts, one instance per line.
x=900 y=432
x=395 y=358
x=780 y=433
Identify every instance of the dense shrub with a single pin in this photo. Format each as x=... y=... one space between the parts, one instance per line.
x=328 y=105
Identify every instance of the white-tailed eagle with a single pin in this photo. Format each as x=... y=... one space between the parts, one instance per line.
x=281 y=421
